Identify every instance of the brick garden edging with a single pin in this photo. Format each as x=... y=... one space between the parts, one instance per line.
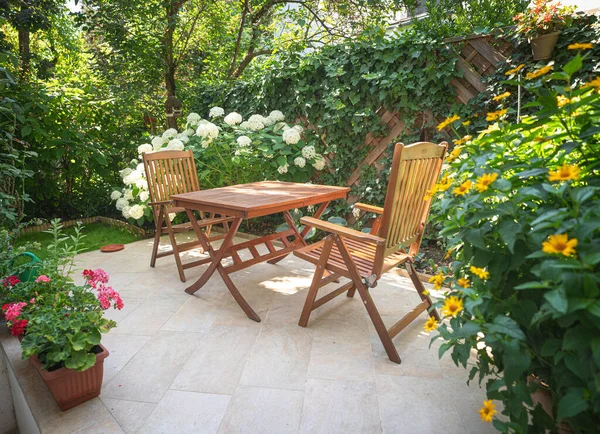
x=87 y=220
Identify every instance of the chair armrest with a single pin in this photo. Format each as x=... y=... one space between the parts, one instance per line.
x=160 y=202
x=368 y=208
x=342 y=231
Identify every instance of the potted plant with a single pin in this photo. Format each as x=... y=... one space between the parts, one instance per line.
x=60 y=324
x=519 y=212
x=542 y=23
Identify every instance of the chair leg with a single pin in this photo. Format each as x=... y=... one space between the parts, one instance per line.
x=175 y=249
x=314 y=286
x=351 y=291
x=159 y=222
x=410 y=268
x=384 y=336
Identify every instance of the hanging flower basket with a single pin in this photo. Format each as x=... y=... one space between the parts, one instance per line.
x=542 y=46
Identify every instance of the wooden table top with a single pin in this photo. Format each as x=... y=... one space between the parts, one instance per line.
x=258 y=198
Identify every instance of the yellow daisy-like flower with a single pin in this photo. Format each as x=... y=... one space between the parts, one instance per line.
x=564 y=173
x=447 y=122
x=593 y=83
x=479 y=272
x=484 y=181
x=466 y=123
x=562 y=100
x=448 y=253
x=578 y=46
x=493 y=127
x=463 y=140
x=464 y=282
x=539 y=72
x=453 y=155
x=501 y=96
x=488 y=411
x=431 y=324
x=431 y=192
x=494 y=116
x=452 y=306
x=463 y=188
x=515 y=70
x=444 y=184
x=425 y=292
x=437 y=280
x=560 y=243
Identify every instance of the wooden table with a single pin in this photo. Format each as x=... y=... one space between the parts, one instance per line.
x=249 y=201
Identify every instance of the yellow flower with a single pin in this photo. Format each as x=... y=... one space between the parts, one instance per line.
x=560 y=243
x=448 y=253
x=501 y=96
x=447 y=122
x=564 y=173
x=444 y=184
x=431 y=192
x=488 y=411
x=437 y=280
x=515 y=70
x=562 y=100
x=464 y=282
x=594 y=83
x=453 y=155
x=466 y=123
x=539 y=72
x=425 y=292
x=493 y=127
x=463 y=188
x=494 y=116
x=431 y=324
x=578 y=46
x=484 y=181
x=480 y=272
x=452 y=306
x=463 y=140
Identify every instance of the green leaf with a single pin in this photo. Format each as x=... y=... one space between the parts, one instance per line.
x=78 y=341
x=505 y=325
x=558 y=300
x=571 y=404
x=516 y=362
x=77 y=360
x=574 y=65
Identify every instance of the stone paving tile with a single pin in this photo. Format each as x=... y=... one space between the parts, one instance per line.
x=130 y=415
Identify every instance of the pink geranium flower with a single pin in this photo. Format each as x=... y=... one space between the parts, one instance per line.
x=11 y=281
x=14 y=310
x=18 y=327
x=43 y=278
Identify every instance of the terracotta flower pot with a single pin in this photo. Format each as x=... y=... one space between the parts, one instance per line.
x=543 y=397
x=71 y=388
x=542 y=46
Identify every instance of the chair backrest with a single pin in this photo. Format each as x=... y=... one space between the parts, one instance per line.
x=415 y=169
x=170 y=172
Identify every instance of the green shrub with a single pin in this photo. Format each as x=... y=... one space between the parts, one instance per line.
x=519 y=211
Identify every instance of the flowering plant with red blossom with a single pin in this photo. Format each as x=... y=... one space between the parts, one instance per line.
x=543 y=17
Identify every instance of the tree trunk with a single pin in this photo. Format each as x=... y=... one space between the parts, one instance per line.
x=169 y=58
x=24 y=51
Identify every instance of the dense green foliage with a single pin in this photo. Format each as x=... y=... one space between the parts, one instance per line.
x=519 y=211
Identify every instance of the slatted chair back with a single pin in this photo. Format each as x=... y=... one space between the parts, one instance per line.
x=169 y=173
x=415 y=169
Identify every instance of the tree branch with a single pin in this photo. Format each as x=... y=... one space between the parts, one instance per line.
x=239 y=37
x=246 y=61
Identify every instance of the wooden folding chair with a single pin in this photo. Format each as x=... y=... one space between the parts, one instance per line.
x=168 y=173
x=394 y=239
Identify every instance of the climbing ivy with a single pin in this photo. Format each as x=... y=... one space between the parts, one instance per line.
x=339 y=90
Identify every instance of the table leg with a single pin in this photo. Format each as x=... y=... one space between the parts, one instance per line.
x=299 y=235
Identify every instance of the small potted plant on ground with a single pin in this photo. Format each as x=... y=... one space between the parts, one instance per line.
x=542 y=23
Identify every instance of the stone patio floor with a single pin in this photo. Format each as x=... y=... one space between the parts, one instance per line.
x=197 y=364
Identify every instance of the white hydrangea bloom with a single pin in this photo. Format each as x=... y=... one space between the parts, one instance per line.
x=309 y=152
x=122 y=202
x=133 y=177
x=283 y=169
x=169 y=134
x=128 y=195
x=256 y=117
x=255 y=125
x=233 y=118
x=356 y=213
x=310 y=208
x=157 y=143
x=115 y=195
x=300 y=162
x=144 y=196
x=189 y=132
x=208 y=130
x=145 y=148
x=125 y=212
x=183 y=138
x=172 y=216
x=298 y=128
x=244 y=141
x=140 y=168
x=319 y=164
x=142 y=184
x=215 y=112
x=136 y=212
x=205 y=143
x=268 y=156
x=291 y=136
x=175 y=145
x=193 y=119
x=125 y=172
x=244 y=125
x=268 y=122
x=277 y=116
